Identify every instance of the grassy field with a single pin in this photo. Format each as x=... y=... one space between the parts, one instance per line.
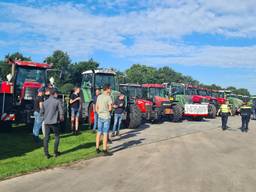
x=19 y=154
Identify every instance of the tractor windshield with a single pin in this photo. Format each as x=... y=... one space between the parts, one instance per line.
x=221 y=95
x=135 y=92
x=101 y=79
x=202 y=92
x=161 y=92
x=29 y=74
x=177 y=90
x=214 y=94
x=191 y=91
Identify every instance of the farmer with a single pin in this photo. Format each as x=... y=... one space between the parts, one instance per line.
x=119 y=106
x=245 y=112
x=75 y=105
x=97 y=93
x=38 y=104
x=103 y=108
x=225 y=111
x=52 y=112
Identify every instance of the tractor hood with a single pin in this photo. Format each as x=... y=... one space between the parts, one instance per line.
x=160 y=100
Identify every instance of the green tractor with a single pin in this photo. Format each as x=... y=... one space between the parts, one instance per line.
x=194 y=106
x=234 y=102
x=96 y=79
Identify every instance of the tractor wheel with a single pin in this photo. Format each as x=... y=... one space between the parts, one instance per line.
x=177 y=113
x=91 y=117
x=212 y=111
x=134 y=118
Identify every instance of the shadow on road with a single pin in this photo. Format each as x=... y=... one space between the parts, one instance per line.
x=126 y=145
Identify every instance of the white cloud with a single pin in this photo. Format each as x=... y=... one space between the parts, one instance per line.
x=157 y=30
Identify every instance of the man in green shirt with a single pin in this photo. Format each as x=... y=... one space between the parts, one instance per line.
x=103 y=108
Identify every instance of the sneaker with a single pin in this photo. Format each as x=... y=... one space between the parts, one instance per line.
x=57 y=154
x=98 y=151
x=113 y=134
x=117 y=133
x=107 y=153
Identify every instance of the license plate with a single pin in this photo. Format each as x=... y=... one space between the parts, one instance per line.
x=168 y=111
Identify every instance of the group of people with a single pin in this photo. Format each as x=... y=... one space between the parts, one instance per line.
x=245 y=111
x=48 y=113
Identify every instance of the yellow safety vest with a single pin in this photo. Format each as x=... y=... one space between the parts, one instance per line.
x=224 y=108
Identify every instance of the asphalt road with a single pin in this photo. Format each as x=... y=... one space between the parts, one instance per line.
x=189 y=156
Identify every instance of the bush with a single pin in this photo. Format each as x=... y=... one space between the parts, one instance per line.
x=66 y=88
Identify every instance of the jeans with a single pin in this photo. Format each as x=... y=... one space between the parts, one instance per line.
x=224 y=120
x=37 y=124
x=55 y=129
x=95 y=121
x=103 y=126
x=117 y=122
x=245 y=122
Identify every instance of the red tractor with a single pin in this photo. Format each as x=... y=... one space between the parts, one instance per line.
x=158 y=95
x=133 y=92
x=202 y=95
x=18 y=93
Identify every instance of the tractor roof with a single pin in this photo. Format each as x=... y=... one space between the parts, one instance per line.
x=153 y=86
x=130 y=85
x=31 y=64
x=102 y=71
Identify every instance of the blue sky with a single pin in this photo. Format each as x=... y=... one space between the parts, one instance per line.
x=213 y=41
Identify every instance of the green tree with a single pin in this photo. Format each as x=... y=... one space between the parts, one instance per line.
x=5 y=68
x=141 y=74
x=60 y=61
x=76 y=70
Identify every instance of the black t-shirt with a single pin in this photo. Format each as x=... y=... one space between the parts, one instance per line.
x=120 y=106
x=37 y=101
x=76 y=104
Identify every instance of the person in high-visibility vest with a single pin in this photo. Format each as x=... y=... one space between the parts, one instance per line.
x=245 y=112
x=225 y=111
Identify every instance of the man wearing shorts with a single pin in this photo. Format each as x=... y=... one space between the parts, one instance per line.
x=75 y=105
x=103 y=108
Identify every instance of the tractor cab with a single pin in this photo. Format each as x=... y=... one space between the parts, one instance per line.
x=96 y=79
x=158 y=94
x=27 y=79
x=134 y=94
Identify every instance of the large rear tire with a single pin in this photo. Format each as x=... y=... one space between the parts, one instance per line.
x=177 y=113
x=212 y=111
x=134 y=118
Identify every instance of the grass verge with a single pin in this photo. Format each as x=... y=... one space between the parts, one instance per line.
x=19 y=154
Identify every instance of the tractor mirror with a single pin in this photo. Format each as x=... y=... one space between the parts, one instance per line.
x=9 y=77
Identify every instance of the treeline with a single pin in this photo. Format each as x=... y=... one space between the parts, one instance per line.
x=137 y=73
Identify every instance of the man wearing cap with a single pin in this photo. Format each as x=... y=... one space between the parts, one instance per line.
x=52 y=113
x=38 y=103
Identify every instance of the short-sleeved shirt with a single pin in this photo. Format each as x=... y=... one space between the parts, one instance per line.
x=76 y=104
x=37 y=101
x=120 y=106
x=103 y=102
